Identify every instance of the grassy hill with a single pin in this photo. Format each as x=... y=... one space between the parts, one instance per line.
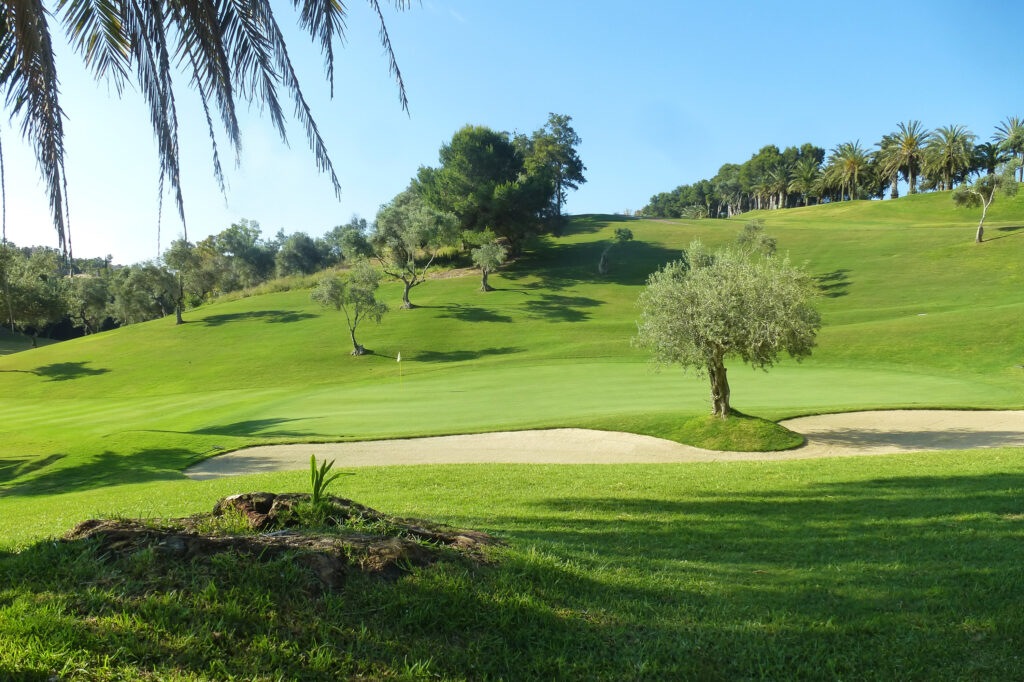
x=915 y=315
x=711 y=571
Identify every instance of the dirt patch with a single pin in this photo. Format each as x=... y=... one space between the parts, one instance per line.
x=829 y=435
x=347 y=537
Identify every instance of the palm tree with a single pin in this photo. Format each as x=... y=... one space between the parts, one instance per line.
x=988 y=156
x=948 y=156
x=884 y=158
x=845 y=164
x=777 y=184
x=805 y=177
x=1010 y=136
x=230 y=50
x=905 y=152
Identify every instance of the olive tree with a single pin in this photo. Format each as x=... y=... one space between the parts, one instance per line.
x=354 y=294
x=488 y=257
x=698 y=311
x=406 y=228
x=982 y=192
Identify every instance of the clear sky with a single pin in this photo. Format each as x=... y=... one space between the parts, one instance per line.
x=662 y=93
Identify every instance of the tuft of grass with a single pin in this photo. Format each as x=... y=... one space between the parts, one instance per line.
x=739 y=432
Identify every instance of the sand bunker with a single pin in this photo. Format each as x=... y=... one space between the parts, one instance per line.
x=830 y=435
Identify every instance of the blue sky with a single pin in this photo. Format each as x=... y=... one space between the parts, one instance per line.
x=662 y=93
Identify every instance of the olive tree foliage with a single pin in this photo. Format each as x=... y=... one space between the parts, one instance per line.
x=699 y=311
x=408 y=234
x=36 y=292
x=143 y=292
x=355 y=294
x=488 y=254
x=753 y=238
x=88 y=298
x=982 y=192
x=621 y=236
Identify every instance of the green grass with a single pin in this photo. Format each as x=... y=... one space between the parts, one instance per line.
x=896 y=567
x=915 y=316
x=892 y=567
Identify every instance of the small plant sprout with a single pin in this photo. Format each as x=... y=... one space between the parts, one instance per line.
x=319 y=478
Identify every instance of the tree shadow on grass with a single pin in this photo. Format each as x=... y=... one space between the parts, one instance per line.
x=1012 y=231
x=471 y=313
x=66 y=371
x=558 y=308
x=833 y=284
x=269 y=316
x=463 y=355
x=892 y=578
x=560 y=266
x=11 y=469
x=104 y=469
x=263 y=428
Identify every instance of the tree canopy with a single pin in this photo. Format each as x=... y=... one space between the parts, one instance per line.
x=484 y=181
x=699 y=311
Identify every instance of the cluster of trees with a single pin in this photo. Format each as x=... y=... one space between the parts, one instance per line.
x=42 y=292
x=491 y=191
x=939 y=159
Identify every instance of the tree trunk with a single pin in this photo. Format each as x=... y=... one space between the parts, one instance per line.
x=35 y=336
x=981 y=225
x=10 y=306
x=719 y=389
x=484 y=286
x=602 y=265
x=356 y=348
x=406 y=303
x=895 y=193
x=180 y=303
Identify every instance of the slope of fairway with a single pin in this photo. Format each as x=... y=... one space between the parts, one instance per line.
x=915 y=316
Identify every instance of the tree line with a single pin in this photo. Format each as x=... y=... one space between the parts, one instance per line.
x=489 y=193
x=924 y=159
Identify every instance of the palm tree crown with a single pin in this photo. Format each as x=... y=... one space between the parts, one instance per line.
x=949 y=154
x=231 y=51
x=1010 y=136
x=845 y=165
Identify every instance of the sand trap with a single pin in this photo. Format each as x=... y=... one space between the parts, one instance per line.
x=830 y=435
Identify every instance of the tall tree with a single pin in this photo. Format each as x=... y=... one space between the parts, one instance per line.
x=484 y=182
x=805 y=177
x=406 y=227
x=988 y=157
x=705 y=308
x=905 y=152
x=228 y=50
x=846 y=163
x=1010 y=136
x=948 y=155
x=553 y=147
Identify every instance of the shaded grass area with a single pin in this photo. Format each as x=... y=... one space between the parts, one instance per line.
x=901 y=567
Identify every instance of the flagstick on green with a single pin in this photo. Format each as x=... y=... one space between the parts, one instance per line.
x=399 y=368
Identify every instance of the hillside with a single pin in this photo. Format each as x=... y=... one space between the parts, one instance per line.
x=915 y=315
